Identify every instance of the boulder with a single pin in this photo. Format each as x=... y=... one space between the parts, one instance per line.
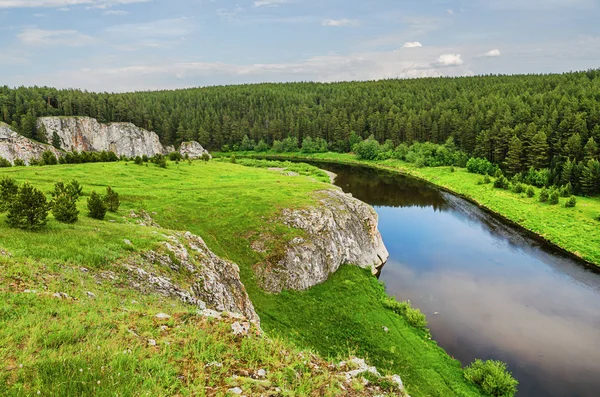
x=193 y=149
x=14 y=146
x=85 y=134
x=340 y=230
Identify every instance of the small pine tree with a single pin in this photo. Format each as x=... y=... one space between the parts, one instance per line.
x=29 y=209
x=55 y=140
x=111 y=199
x=544 y=195
x=49 y=158
x=138 y=160
x=145 y=158
x=571 y=202
x=8 y=191
x=74 y=189
x=96 y=207
x=233 y=159
x=502 y=183
x=19 y=163
x=554 y=198
x=530 y=192
x=205 y=156
x=4 y=163
x=64 y=209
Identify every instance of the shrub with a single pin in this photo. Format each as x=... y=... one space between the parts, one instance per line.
x=8 y=191
x=175 y=156
x=261 y=146
x=452 y=169
x=493 y=378
x=233 y=159
x=567 y=190
x=571 y=202
x=4 y=163
x=519 y=188
x=554 y=198
x=111 y=200
x=414 y=316
x=225 y=148
x=96 y=207
x=49 y=158
x=138 y=160
x=145 y=158
x=530 y=192
x=205 y=156
x=19 y=163
x=480 y=166
x=487 y=180
x=544 y=195
x=64 y=209
x=160 y=160
x=367 y=149
x=501 y=183
x=28 y=209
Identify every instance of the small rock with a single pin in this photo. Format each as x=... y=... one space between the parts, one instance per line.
x=162 y=316
x=164 y=328
x=151 y=342
x=60 y=295
x=30 y=291
x=91 y=294
x=214 y=364
x=210 y=313
x=436 y=313
x=235 y=390
x=127 y=242
x=261 y=373
x=112 y=221
x=385 y=329
x=397 y=380
x=240 y=328
x=83 y=269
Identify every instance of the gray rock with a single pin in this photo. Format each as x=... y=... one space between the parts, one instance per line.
x=261 y=373
x=87 y=134
x=14 y=146
x=235 y=390
x=128 y=242
x=162 y=316
x=193 y=149
x=151 y=342
x=340 y=230
x=240 y=328
x=91 y=294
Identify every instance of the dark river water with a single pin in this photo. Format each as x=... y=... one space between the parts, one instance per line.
x=489 y=290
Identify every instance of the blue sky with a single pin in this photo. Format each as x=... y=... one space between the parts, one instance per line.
x=122 y=45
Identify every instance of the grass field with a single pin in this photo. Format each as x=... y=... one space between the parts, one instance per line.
x=575 y=230
x=228 y=205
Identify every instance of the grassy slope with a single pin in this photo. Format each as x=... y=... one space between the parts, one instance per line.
x=572 y=229
x=224 y=204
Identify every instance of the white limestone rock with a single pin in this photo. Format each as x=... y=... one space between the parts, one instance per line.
x=14 y=146
x=193 y=149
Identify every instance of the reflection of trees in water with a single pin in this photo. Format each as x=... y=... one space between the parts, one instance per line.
x=380 y=188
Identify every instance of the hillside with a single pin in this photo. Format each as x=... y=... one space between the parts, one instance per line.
x=73 y=316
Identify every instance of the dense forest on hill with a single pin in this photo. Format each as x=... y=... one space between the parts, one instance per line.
x=540 y=121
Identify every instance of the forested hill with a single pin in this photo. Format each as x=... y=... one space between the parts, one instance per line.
x=550 y=114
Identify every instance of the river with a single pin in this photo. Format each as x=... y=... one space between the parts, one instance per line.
x=488 y=289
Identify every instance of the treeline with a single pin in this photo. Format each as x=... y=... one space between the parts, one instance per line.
x=516 y=122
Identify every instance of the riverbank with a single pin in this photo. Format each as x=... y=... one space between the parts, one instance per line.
x=228 y=206
x=574 y=231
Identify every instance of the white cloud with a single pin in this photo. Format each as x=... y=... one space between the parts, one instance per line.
x=116 y=12
x=270 y=3
x=69 y=38
x=64 y=3
x=340 y=22
x=163 y=28
x=450 y=60
x=492 y=53
x=450 y=11
x=412 y=44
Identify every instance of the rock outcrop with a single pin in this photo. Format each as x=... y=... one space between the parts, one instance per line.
x=341 y=230
x=186 y=269
x=14 y=146
x=193 y=149
x=85 y=134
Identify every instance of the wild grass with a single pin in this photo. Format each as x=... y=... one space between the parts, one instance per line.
x=229 y=206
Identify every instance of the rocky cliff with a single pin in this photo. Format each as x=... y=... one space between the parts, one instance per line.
x=85 y=134
x=193 y=149
x=341 y=230
x=14 y=146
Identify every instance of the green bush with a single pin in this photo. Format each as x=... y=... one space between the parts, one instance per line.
x=4 y=163
x=530 y=192
x=64 y=209
x=175 y=156
x=8 y=190
x=367 y=149
x=49 y=158
x=111 y=200
x=96 y=207
x=544 y=195
x=233 y=159
x=519 y=188
x=138 y=160
x=28 y=208
x=261 y=146
x=480 y=166
x=571 y=202
x=554 y=198
x=501 y=183
x=205 y=156
x=19 y=163
x=492 y=377
x=414 y=316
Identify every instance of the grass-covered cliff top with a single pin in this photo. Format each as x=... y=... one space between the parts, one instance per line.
x=66 y=344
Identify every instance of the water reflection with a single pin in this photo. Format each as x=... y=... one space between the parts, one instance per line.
x=498 y=293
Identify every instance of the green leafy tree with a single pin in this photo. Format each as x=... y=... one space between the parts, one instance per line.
x=29 y=208
x=111 y=199
x=96 y=207
x=8 y=191
x=64 y=209
x=368 y=149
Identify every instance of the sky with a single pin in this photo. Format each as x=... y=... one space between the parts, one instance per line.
x=130 y=45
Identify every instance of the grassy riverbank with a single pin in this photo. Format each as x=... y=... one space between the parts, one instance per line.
x=228 y=205
x=575 y=230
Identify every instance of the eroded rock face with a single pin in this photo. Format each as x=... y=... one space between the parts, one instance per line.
x=85 y=134
x=341 y=230
x=193 y=149
x=14 y=146
x=210 y=282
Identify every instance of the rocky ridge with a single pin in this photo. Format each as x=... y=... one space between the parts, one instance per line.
x=340 y=230
x=14 y=146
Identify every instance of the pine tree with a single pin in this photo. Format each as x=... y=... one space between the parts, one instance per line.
x=590 y=150
x=29 y=209
x=64 y=209
x=55 y=140
x=590 y=178
x=539 y=151
x=513 y=158
x=111 y=200
x=96 y=207
x=8 y=191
